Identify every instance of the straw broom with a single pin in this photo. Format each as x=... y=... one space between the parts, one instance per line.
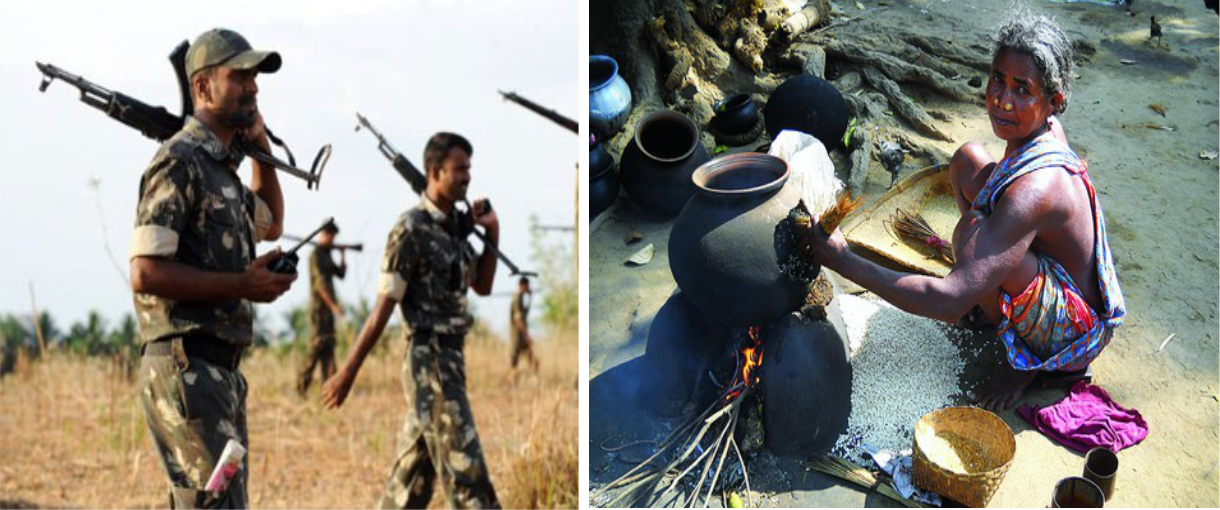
x=912 y=226
x=829 y=221
x=850 y=472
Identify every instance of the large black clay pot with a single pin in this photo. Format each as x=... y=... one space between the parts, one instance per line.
x=656 y=166
x=806 y=382
x=730 y=247
x=681 y=341
x=603 y=180
x=808 y=104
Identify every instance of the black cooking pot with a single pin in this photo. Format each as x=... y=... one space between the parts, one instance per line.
x=603 y=180
x=735 y=115
x=656 y=166
x=808 y=104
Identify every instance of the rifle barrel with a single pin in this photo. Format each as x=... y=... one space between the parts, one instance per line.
x=308 y=238
x=554 y=116
x=159 y=124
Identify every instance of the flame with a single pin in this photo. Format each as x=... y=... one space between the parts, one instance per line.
x=753 y=356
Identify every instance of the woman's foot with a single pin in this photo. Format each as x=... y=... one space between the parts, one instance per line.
x=975 y=320
x=1004 y=388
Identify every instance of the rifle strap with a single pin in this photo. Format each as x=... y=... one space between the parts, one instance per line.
x=276 y=140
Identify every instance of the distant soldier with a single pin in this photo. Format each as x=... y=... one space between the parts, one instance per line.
x=428 y=266
x=323 y=308
x=520 y=338
x=194 y=271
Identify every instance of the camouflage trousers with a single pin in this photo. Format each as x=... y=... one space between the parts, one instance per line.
x=522 y=345
x=438 y=435
x=193 y=408
x=321 y=353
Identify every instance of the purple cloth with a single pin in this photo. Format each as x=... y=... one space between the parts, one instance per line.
x=1086 y=419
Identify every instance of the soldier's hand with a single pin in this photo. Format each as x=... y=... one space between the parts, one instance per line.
x=334 y=390
x=257 y=133
x=484 y=215
x=260 y=284
x=338 y=311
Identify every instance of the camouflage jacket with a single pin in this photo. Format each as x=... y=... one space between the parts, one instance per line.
x=195 y=210
x=322 y=273
x=520 y=309
x=427 y=267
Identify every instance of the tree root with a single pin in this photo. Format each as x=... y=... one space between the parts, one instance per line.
x=899 y=70
x=903 y=106
x=974 y=57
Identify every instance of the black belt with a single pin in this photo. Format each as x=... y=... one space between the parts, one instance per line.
x=445 y=340
x=200 y=346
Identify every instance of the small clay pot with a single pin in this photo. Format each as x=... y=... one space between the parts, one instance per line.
x=810 y=105
x=603 y=180
x=656 y=166
x=735 y=115
x=609 y=97
x=1100 y=466
x=1077 y=492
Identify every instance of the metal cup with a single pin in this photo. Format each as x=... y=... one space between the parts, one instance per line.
x=1077 y=492
x=1100 y=466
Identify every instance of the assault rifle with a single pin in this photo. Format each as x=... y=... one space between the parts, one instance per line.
x=335 y=246
x=159 y=124
x=418 y=183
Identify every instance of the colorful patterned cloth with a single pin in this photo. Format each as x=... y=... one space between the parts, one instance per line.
x=1049 y=326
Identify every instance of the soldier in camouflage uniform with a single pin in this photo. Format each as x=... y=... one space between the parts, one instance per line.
x=518 y=322
x=323 y=307
x=194 y=271
x=428 y=266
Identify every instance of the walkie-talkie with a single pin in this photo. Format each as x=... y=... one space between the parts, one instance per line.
x=287 y=262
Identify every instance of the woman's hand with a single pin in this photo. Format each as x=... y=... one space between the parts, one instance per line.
x=828 y=250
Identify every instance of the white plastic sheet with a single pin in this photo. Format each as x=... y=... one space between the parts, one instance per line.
x=809 y=168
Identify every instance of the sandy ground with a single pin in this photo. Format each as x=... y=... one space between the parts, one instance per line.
x=1161 y=202
x=72 y=434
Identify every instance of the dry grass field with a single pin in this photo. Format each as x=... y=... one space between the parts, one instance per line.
x=72 y=433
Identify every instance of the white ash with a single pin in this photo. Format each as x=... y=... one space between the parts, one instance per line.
x=903 y=366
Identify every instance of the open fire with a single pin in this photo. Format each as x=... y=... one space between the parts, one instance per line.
x=749 y=359
x=697 y=456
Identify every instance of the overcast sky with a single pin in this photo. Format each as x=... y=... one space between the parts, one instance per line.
x=413 y=68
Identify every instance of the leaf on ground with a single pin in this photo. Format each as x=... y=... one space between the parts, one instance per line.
x=1156 y=107
x=633 y=236
x=1208 y=154
x=1128 y=62
x=641 y=257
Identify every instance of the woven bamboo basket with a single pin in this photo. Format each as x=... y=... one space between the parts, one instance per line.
x=962 y=453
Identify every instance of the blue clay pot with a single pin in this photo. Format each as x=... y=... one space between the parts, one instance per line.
x=609 y=97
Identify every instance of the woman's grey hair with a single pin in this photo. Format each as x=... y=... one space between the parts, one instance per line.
x=1038 y=36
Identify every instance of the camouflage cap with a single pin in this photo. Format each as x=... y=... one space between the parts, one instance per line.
x=224 y=47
